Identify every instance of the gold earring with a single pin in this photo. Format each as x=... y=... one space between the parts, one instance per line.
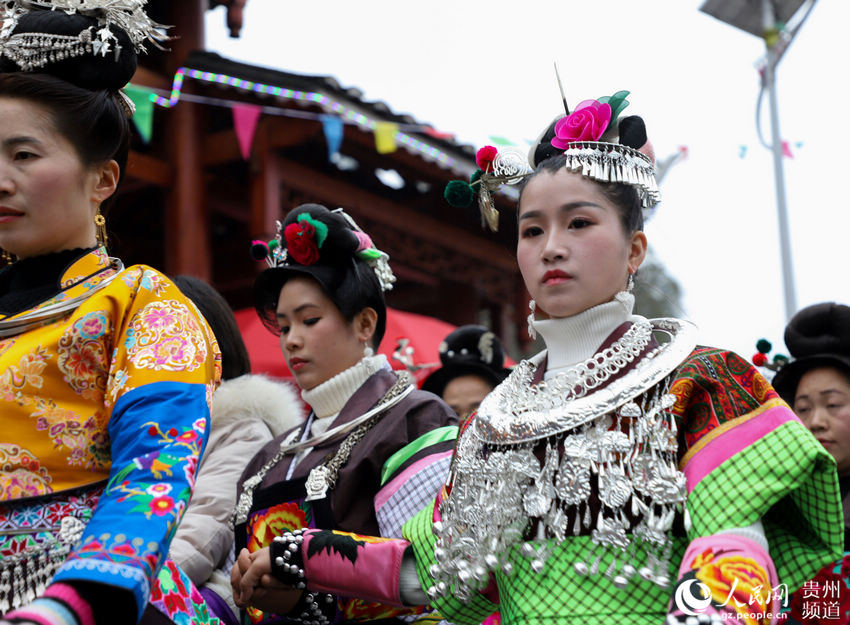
x=7 y=257
x=100 y=222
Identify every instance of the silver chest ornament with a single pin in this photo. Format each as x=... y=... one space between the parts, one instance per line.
x=617 y=440
x=318 y=483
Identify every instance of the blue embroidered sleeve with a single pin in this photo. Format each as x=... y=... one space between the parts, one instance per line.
x=157 y=434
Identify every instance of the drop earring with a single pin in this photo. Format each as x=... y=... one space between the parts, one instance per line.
x=532 y=333
x=100 y=224
x=630 y=283
x=7 y=257
x=368 y=351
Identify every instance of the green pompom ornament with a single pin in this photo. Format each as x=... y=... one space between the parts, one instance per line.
x=764 y=346
x=476 y=176
x=459 y=194
x=780 y=359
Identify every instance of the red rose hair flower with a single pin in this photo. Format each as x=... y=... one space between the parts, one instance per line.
x=301 y=242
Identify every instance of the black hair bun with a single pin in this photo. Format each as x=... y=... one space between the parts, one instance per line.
x=633 y=132
x=89 y=71
x=543 y=148
x=819 y=329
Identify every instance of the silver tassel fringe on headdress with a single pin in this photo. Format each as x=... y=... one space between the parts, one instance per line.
x=31 y=51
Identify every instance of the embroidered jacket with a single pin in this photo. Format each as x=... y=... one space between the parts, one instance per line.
x=104 y=413
x=745 y=456
x=391 y=473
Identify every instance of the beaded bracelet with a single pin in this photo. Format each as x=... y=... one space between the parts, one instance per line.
x=287 y=561
x=317 y=608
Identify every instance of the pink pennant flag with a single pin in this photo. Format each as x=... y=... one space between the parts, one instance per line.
x=245 y=117
x=786 y=150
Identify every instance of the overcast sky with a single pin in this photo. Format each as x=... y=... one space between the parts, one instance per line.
x=485 y=68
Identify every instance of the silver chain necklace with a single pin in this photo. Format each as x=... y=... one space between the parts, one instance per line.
x=327 y=472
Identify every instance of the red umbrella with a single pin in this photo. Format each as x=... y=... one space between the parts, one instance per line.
x=409 y=336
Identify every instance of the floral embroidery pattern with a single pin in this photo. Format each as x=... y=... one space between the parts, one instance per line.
x=176 y=597
x=153 y=282
x=83 y=357
x=166 y=337
x=22 y=475
x=157 y=499
x=86 y=439
x=27 y=373
x=131 y=277
x=734 y=582
x=264 y=526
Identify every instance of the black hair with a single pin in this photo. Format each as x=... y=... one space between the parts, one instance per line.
x=219 y=316
x=359 y=289
x=625 y=197
x=347 y=280
x=94 y=122
x=80 y=91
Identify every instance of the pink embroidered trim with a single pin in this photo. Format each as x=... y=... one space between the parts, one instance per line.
x=68 y=594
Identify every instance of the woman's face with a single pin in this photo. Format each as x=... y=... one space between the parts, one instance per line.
x=48 y=198
x=316 y=340
x=822 y=402
x=465 y=393
x=572 y=251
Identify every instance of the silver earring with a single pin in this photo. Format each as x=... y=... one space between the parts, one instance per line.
x=630 y=284
x=531 y=331
x=368 y=352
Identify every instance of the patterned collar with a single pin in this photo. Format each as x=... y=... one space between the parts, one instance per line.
x=84 y=277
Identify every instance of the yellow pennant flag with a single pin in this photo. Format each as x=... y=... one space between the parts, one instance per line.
x=385 y=133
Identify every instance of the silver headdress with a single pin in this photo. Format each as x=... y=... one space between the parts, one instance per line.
x=33 y=50
x=596 y=143
x=612 y=162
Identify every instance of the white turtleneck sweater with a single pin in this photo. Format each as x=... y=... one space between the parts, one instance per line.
x=570 y=340
x=328 y=398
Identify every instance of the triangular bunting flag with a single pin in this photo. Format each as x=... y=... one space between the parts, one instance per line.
x=245 y=117
x=385 y=133
x=433 y=132
x=786 y=150
x=332 y=125
x=497 y=140
x=143 y=117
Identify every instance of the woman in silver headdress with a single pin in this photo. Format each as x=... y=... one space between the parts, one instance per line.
x=105 y=372
x=624 y=475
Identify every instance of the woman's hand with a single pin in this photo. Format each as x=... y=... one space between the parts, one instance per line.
x=254 y=585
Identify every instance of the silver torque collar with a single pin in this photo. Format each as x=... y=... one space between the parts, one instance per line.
x=517 y=412
x=535 y=456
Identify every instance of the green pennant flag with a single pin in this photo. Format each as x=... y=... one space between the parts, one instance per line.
x=143 y=118
x=497 y=140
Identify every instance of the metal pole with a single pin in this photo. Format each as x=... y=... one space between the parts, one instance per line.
x=778 y=168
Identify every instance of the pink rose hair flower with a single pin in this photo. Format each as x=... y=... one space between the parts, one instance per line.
x=588 y=122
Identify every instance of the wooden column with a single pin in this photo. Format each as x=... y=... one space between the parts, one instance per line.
x=265 y=184
x=187 y=215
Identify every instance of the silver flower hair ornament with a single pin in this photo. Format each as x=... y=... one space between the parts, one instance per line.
x=31 y=51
